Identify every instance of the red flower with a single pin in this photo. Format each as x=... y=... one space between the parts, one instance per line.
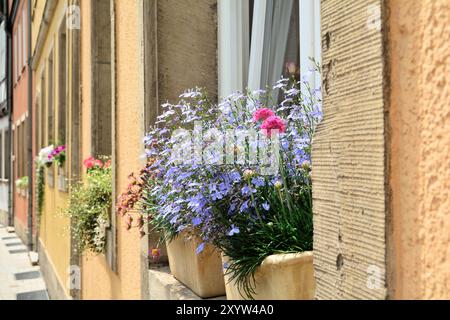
x=273 y=123
x=262 y=114
x=89 y=162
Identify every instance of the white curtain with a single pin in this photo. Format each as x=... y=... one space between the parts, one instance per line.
x=234 y=39
x=310 y=39
x=271 y=22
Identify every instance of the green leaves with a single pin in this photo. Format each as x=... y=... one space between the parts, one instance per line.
x=89 y=206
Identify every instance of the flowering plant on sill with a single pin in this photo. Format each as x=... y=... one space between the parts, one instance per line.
x=128 y=201
x=89 y=205
x=44 y=156
x=22 y=183
x=251 y=197
x=58 y=155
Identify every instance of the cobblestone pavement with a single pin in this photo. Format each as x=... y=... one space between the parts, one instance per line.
x=19 y=280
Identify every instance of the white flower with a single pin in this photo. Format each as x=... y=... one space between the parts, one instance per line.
x=42 y=158
x=100 y=233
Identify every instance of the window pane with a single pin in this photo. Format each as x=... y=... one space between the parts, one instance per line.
x=2 y=150
x=6 y=155
x=24 y=38
x=274 y=43
x=50 y=93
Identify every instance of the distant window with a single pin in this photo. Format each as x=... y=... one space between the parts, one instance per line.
x=42 y=114
x=62 y=102
x=15 y=57
x=24 y=38
x=2 y=157
x=19 y=49
x=2 y=52
x=6 y=145
x=62 y=80
x=50 y=99
x=24 y=147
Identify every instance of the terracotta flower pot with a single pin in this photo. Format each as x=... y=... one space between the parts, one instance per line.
x=202 y=273
x=280 y=277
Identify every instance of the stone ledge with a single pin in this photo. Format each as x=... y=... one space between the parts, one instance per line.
x=163 y=286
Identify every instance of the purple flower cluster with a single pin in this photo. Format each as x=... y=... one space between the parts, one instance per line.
x=218 y=200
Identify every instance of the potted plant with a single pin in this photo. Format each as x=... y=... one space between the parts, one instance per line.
x=238 y=176
x=89 y=205
x=22 y=185
x=130 y=207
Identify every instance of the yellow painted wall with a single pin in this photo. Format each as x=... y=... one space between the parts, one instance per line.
x=420 y=148
x=54 y=227
x=98 y=280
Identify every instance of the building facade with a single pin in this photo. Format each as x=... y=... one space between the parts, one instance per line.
x=20 y=83
x=4 y=126
x=100 y=69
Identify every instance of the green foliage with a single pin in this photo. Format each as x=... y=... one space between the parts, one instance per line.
x=40 y=188
x=22 y=183
x=89 y=206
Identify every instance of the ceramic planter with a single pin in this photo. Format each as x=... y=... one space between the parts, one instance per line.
x=202 y=273
x=280 y=277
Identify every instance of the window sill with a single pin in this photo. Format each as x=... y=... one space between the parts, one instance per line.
x=163 y=286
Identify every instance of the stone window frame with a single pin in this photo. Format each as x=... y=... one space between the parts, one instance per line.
x=352 y=218
x=103 y=113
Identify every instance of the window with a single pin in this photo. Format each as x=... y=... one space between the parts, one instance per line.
x=50 y=107
x=281 y=32
x=62 y=100
x=102 y=101
x=19 y=48
x=62 y=85
x=15 y=57
x=24 y=38
x=2 y=156
x=6 y=157
x=2 y=53
x=42 y=115
x=101 y=75
x=50 y=115
x=21 y=148
x=24 y=147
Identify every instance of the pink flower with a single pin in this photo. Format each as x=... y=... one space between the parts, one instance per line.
x=60 y=149
x=262 y=114
x=273 y=123
x=98 y=163
x=89 y=162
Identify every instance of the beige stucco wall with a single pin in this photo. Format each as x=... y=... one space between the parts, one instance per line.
x=420 y=148
x=98 y=280
x=54 y=231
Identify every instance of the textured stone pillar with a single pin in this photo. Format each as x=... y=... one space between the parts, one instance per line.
x=349 y=154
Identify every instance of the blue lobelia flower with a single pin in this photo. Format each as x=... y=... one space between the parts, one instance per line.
x=258 y=181
x=196 y=221
x=246 y=190
x=245 y=206
x=234 y=230
x=266 y=206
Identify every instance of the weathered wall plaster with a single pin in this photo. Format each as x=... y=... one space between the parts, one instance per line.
x=420 y=148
